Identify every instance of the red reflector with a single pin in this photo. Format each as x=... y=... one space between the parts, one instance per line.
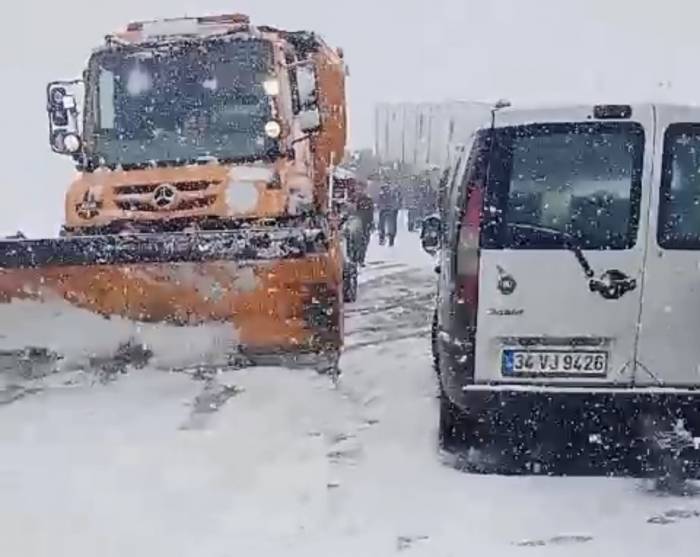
x=472 y=217
x=469 y=291
x=468 y=248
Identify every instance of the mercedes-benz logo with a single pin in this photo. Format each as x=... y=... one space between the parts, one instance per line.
x=164 y=196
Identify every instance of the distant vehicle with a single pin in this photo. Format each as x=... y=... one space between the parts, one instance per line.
x=568 y=294
x=419 y=136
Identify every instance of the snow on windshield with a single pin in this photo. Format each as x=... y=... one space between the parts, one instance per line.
x=139 y=81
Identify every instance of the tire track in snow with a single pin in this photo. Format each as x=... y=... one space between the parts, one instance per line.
x=391 y=307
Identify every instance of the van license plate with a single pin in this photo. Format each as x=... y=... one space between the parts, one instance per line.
x=554 y=363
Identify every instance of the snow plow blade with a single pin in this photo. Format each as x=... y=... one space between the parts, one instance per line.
x=171 y=300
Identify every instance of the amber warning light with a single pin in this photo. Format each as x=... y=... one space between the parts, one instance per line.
x=612 y=111
x=240 y=19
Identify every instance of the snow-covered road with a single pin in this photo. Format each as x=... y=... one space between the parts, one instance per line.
x=290 y=465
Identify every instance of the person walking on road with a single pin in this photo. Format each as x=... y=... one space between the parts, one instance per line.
x=365 y=214
x=413 y=201
x=389 y=204
x=428 y=204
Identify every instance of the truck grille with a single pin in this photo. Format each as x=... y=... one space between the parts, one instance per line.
x=184 y=205
x=193 y=194
x=136 y=189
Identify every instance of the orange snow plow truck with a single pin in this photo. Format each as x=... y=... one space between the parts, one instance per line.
x=199 y=229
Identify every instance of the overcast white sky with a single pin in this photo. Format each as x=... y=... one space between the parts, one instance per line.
x=535 y=50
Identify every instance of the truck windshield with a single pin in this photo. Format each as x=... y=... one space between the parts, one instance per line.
x=180 y=104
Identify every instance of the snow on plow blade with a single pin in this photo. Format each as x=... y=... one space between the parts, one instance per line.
x=170 y=300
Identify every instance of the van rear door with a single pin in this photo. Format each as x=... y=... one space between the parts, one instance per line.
x=562 y=246
x=669 y=345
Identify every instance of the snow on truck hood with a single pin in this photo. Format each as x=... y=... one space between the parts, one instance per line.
x=246 y=184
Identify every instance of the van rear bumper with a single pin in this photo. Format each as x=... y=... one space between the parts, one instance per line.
x=583 y=396
x=617 y=428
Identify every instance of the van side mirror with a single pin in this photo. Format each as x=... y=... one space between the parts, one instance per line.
x=307 y=96
x=62 y=108
x=431 y=234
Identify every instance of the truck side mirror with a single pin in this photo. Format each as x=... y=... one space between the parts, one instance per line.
x=431 y=234
x=62 y=108
x=307 y=90
x=56 y=108
x=310 y=120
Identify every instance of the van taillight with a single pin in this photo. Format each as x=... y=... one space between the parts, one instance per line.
x=467 y=264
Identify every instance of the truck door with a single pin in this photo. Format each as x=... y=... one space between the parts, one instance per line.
x=562 y=246
x=669 y=343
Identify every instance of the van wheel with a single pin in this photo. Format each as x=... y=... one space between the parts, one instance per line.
x=350 y=284
x=449 y=424
x=664 y=456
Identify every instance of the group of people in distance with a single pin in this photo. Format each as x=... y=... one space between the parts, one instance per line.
x=385 y=205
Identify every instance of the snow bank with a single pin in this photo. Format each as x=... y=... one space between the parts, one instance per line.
x=80 y=336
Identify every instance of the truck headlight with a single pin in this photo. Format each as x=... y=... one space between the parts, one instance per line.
x=273 y=129
x=71 y=142
x=272 y=87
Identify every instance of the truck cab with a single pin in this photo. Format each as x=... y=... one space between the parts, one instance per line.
x=200 y=121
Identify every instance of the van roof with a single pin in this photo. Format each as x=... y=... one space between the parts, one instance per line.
x=574 y=112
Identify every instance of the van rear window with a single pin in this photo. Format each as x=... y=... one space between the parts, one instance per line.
x=581 y=179
x=679 y=209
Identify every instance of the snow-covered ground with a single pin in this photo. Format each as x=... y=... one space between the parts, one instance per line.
x=290 y=465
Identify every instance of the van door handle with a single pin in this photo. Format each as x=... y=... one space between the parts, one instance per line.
x=613 y=284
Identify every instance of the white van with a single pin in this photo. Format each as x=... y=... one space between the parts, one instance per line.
x=569 y=291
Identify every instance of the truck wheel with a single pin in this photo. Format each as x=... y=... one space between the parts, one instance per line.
x=350 y=284
x=328 y=363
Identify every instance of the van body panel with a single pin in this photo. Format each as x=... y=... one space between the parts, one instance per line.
x=587 y=178
x=582 y=336
x=669 y=351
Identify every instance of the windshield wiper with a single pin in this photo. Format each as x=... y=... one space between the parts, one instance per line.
x=612 y=284
x=556 y=235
